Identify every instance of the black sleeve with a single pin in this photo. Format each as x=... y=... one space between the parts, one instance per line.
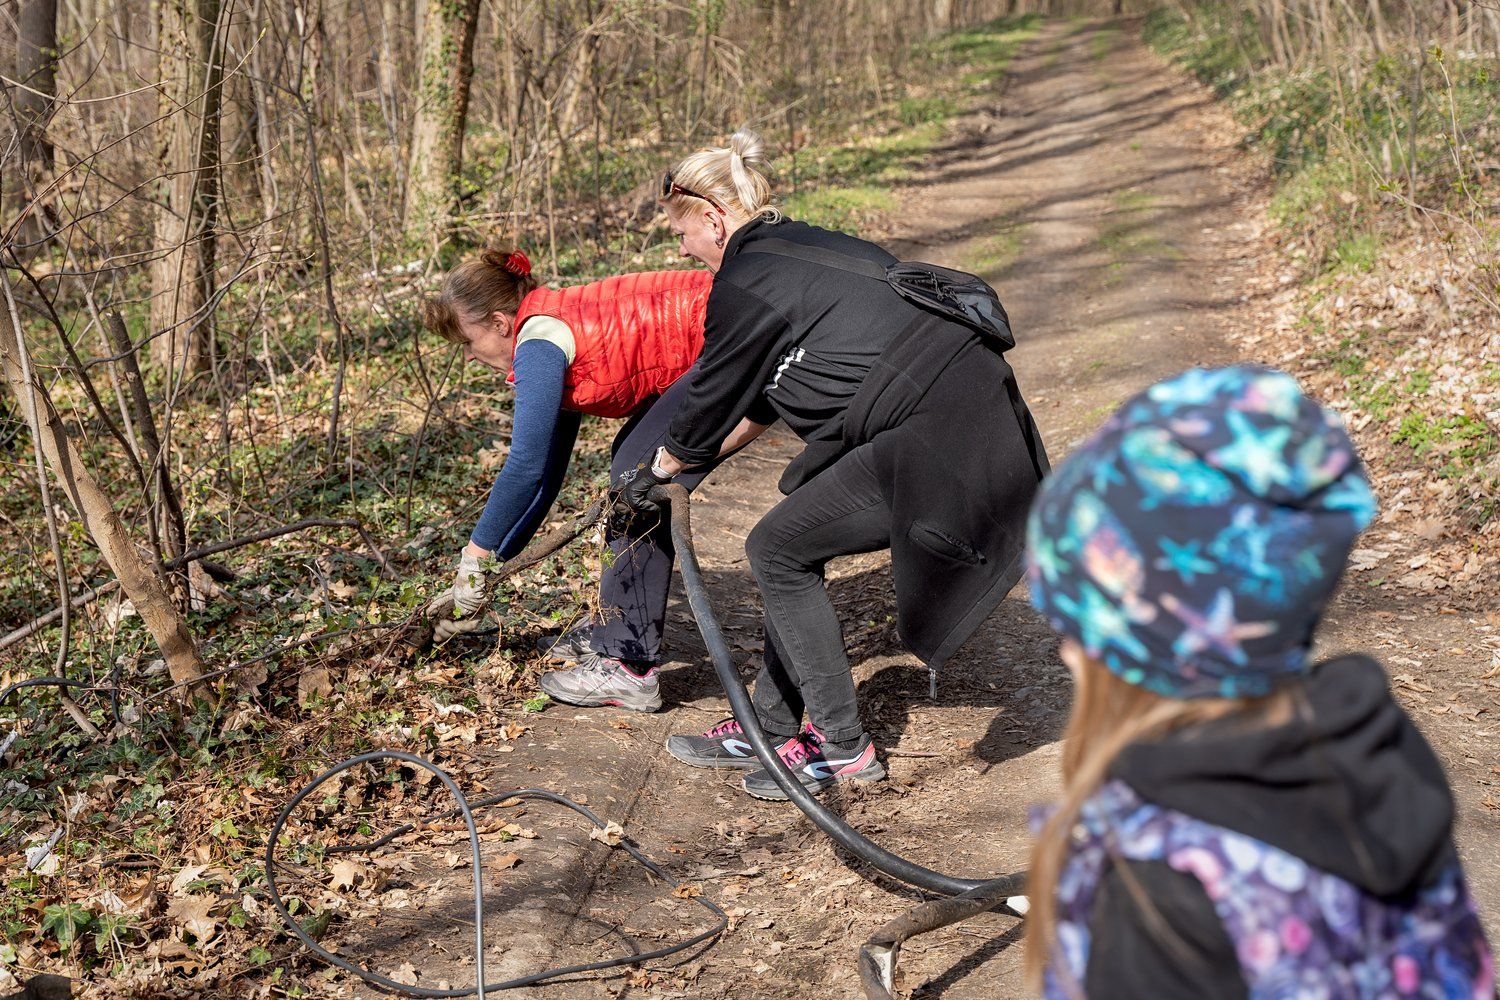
x=741 y=334
x=1187 y=955
x=761 y=411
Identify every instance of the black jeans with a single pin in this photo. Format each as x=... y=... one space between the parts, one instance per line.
x=633 y=588
x=840 y=512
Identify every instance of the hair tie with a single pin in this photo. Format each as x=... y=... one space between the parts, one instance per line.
x=517 y=263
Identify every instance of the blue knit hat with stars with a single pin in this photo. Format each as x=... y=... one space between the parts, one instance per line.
x=1191 y=543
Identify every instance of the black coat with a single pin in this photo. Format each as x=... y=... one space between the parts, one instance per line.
x=959 y=459
x=845 y=361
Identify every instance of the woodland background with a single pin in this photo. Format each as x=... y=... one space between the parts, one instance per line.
x=228 y=454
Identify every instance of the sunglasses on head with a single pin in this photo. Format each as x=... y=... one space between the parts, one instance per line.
x=669 y=187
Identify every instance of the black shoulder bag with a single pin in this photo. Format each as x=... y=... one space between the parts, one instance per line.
x=954 y=295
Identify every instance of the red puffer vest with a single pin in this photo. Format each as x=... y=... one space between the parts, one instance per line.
x=635 y=334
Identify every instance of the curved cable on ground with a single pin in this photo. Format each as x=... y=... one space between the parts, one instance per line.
x=42 y=682
x=465 y=809
x=966 y=897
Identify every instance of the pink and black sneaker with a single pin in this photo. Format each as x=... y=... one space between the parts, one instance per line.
x=724 y=745
x=818 y=764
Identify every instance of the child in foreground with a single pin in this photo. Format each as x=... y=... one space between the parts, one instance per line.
x=1236 y=819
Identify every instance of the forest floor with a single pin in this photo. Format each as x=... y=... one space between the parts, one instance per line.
x=1108 y=199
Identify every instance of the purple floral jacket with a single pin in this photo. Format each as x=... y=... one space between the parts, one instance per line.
x=1298 y=932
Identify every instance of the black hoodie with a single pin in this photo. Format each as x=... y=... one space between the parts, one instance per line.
x=1349 y=786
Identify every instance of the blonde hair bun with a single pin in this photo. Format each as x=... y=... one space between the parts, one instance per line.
x=749 y=147
x=729 y=176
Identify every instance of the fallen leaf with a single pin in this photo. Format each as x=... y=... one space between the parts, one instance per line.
x=41 y=859
x=187 y=875
x=611 y=833
x=687 y=891
x=313 y=683
x=493 y=456
x=176 y=956
x=345 y=873
x=1362 y=559
x=1429 y=529
x=191 y=913
x=512 y=730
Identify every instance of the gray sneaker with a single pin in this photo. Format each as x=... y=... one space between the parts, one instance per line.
x=569 y=646
x=602 y=680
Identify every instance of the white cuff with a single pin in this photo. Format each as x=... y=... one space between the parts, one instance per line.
x=656 y=469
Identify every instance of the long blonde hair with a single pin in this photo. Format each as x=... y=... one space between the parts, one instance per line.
x=729 y=176
x=1109 y=715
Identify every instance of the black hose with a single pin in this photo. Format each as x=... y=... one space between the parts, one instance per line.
x=42 y=682
x=843 y=834
x=465 y=809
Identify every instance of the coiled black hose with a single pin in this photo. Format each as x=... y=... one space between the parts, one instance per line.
x=465 y=808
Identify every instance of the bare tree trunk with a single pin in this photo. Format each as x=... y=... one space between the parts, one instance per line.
x=1377 y=24
x=1281 y=43
x=437 y=137
x=189 y=103
x=34 y=102
x=138 y=577
x=166 y=506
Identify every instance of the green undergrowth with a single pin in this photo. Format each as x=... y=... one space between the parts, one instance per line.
x=1456 y=446
x=1382 y=173
x=1358 y=149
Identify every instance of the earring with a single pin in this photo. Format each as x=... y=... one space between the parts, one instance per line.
x=718 y=241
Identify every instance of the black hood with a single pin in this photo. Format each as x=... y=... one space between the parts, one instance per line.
x=1349 y=785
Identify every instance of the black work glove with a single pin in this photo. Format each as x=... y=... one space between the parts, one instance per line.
x=635 y=485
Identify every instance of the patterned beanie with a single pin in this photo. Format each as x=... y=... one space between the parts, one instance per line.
x=1191 y=543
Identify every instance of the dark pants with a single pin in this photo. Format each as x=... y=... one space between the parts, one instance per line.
x=633 y=589
x=839 y=512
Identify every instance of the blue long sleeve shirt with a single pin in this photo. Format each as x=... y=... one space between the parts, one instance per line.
x=541 y=444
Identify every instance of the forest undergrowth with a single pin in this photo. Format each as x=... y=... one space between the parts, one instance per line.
x=1380 y=284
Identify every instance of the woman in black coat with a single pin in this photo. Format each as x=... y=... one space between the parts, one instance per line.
x=917 y=441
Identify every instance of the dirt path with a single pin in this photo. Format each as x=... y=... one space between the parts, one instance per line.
x=1102 y=195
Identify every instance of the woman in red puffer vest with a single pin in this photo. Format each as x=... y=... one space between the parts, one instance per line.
x=634 y=335
x=612 y=348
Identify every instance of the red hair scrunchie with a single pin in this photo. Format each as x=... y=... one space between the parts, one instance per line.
x=517 y=263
